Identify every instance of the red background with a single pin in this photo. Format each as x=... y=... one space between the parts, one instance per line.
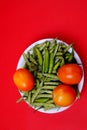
x=22 y=23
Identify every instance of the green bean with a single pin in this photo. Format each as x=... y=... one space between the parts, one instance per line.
x=43 y=46
x=32 y=67
x=51 y=83
x=50 y=76
x=34 y=53
x=35 y=73
x=41 y=100
x=37 y=83
x=42 y=104
x=51 y=50
x=54 y=41
x=61 y=59
x=46 y=91
x=39 y=55
x=63 y=45
x=52 y=44
x=50 y=79
x=48 y=87
x=33 y=60
x=26 y=60
x=40 y=78
x=39 y=45
x=59 y=53
x=49 y=107
x=54 y=72
x=71 y=56
x=62 y=62
x=46 y=61
x=44 y=95
x=67 y=54
x=43 y=52
x=39 y=68
x=51 y=62
x=36 y=92
x=47 y=43
x=59 y=48
x=20 y=99
x=31 y=49
x=56 y=48
x=67 y=48
x=33 y=91
x=47 y=79
x=39 y=74
x=50 y=101
x=29 y=97
x=25 y=94
x=56 y=66
x=28 y=55
x=67 y=57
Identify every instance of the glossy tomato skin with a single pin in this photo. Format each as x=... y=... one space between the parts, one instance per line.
x=23 y=79
x=63 y=95
x=70 y=74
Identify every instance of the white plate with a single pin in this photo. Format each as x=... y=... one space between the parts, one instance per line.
x=80 y=85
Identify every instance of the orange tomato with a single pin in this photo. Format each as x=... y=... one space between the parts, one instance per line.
x=23 y=79
x=63 y=95
x=70 y=74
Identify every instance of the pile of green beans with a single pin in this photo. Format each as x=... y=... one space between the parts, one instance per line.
x=43 y=60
